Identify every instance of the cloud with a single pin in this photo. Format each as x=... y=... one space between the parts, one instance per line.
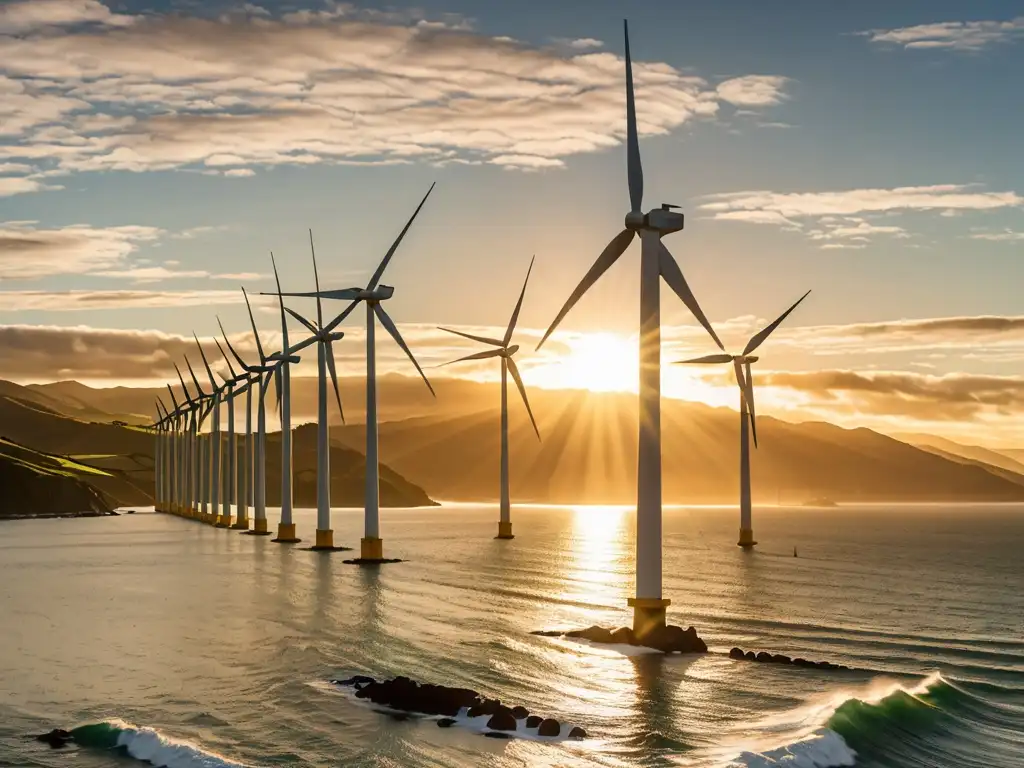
x=581 y=43
x=24 y=15
x=27 y=252
x=340 y=85
x=72 y=301
x=837 y=219
x=753 y=90
x=1006 y=236
x=955 y=35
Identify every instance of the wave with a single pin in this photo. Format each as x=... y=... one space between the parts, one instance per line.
x=148 y=745
x=937 y=722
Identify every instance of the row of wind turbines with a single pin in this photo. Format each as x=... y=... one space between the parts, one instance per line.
x=193 y=479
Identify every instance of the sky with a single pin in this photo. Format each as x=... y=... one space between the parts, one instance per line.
x=153 y=155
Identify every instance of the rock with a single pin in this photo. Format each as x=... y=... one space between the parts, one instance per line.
x=486 y=707
x=594 y=634
x=623 y=635
x=549 y=727
x=550 y=632
x=355 y=680
x=520 y=712
x=502 y=720
x=672 y=639
x=779 y=658
x=56 y=738
x=445 y=722
x=497 y=735
x=765 y=658
x=798 y=662
x=533 y=721
x=750 y=656
x=577 y=733
x=736 y=653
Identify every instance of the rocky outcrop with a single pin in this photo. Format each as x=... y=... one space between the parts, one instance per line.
x=56 y=738
x=763 y=657
x=407 y=695
x=667 y=639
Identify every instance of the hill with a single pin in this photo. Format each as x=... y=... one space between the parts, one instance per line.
x=37 y=484
x=975 y=453
x=449 y=447
x=125 y=456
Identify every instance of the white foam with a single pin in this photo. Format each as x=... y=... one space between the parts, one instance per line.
x=822 y=749
x=624 y=649
x=157 y=749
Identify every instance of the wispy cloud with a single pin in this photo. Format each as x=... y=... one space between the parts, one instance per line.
x=28 y=252
x=955 y=35
x=86 y=89
x=838 y=219
x=71 y=301
x=1005 y=236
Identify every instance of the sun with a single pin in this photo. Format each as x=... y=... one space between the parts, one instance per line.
x=600 y=362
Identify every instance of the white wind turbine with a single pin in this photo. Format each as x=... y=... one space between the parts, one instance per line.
x=505 y=352
x=741 y=367
x=324 y=337
x=655 y=261
x=231 y=460
x=371 y=547
x=216 y=445
x=202 y=460
x=162 y=431
x=192 y=446
x=175 y=464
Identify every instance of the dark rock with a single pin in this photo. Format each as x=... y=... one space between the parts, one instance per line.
x=750 y=656
x=485 y=707
x=533 y=721
x=497 y=735
x=765 y=658
x=502 y=720
x=56 y=738
x=355 y=680
x=445 y=722
x=520 y=712
x=672 y=639
x=550 y=632
x=623 y=635
x=577 y=733
x=798 y=662
x=594 y=634
x=549 y=727
x=779 y=658
x=736 y=653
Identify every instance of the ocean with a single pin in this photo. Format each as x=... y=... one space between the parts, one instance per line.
x=173 y=643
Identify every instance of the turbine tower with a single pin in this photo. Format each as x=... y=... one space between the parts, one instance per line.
x=324 y=337
x=202 y=458
x=508 y=365
x=194 y=419
x=655 y=262
x=161 y=433
x=741 y=367
x=371 y=547
x=231 y=459
x=216 y=447
x=175 y=456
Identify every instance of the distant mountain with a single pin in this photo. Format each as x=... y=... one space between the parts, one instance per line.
x=38 y=484
x=124 y=454
x=1001 y=459
x=449 y=447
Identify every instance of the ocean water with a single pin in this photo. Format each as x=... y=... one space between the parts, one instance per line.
x=176 y=644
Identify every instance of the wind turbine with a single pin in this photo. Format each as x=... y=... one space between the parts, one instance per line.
x=655 y=262
x=202 y=458
x=216 y=447
x=741 y=366
x=175 y=456
x=508 y=365
x=160 y=430
x=191 y=445
x=371 y=546
x=323 y=336
x=231 y=459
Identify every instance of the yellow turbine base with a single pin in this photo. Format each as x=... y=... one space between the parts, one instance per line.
x=505 y=530
x=371 y=549
x=286 y=533
x=648 y=614
x=223 y=521
x=325 y=539
x=241 y=524
x=259 y=526
x=746 y=538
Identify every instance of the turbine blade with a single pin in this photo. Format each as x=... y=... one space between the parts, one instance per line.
x=316 y=280
x=309 y=326
x=394 y=246
x=674 y=277
x=341 y=318
x=226 y=360
x=329 y=354
x=237 y=357
x=481 y=339
x=514 y=370
x=707 y=359
x=340 y=293
x=280 y=298
x=748 y=383
x=519 y=305
x=195 y=381
x=475 y=356
x=174 y=400
x=256 y=333
x=182 y=380
x=758 y=338
x=634 y=170
x=608 y=256
x=389 y=324
x=209 y=372
x=265 y=383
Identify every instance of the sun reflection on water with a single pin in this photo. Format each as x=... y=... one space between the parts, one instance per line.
x=600 y=549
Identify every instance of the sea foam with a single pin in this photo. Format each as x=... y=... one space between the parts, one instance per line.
x=149 y=745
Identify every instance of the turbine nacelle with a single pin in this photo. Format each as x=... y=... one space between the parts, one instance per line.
x=662 y=220
x=380 y=293
x=279 y=358
x=509 y=351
